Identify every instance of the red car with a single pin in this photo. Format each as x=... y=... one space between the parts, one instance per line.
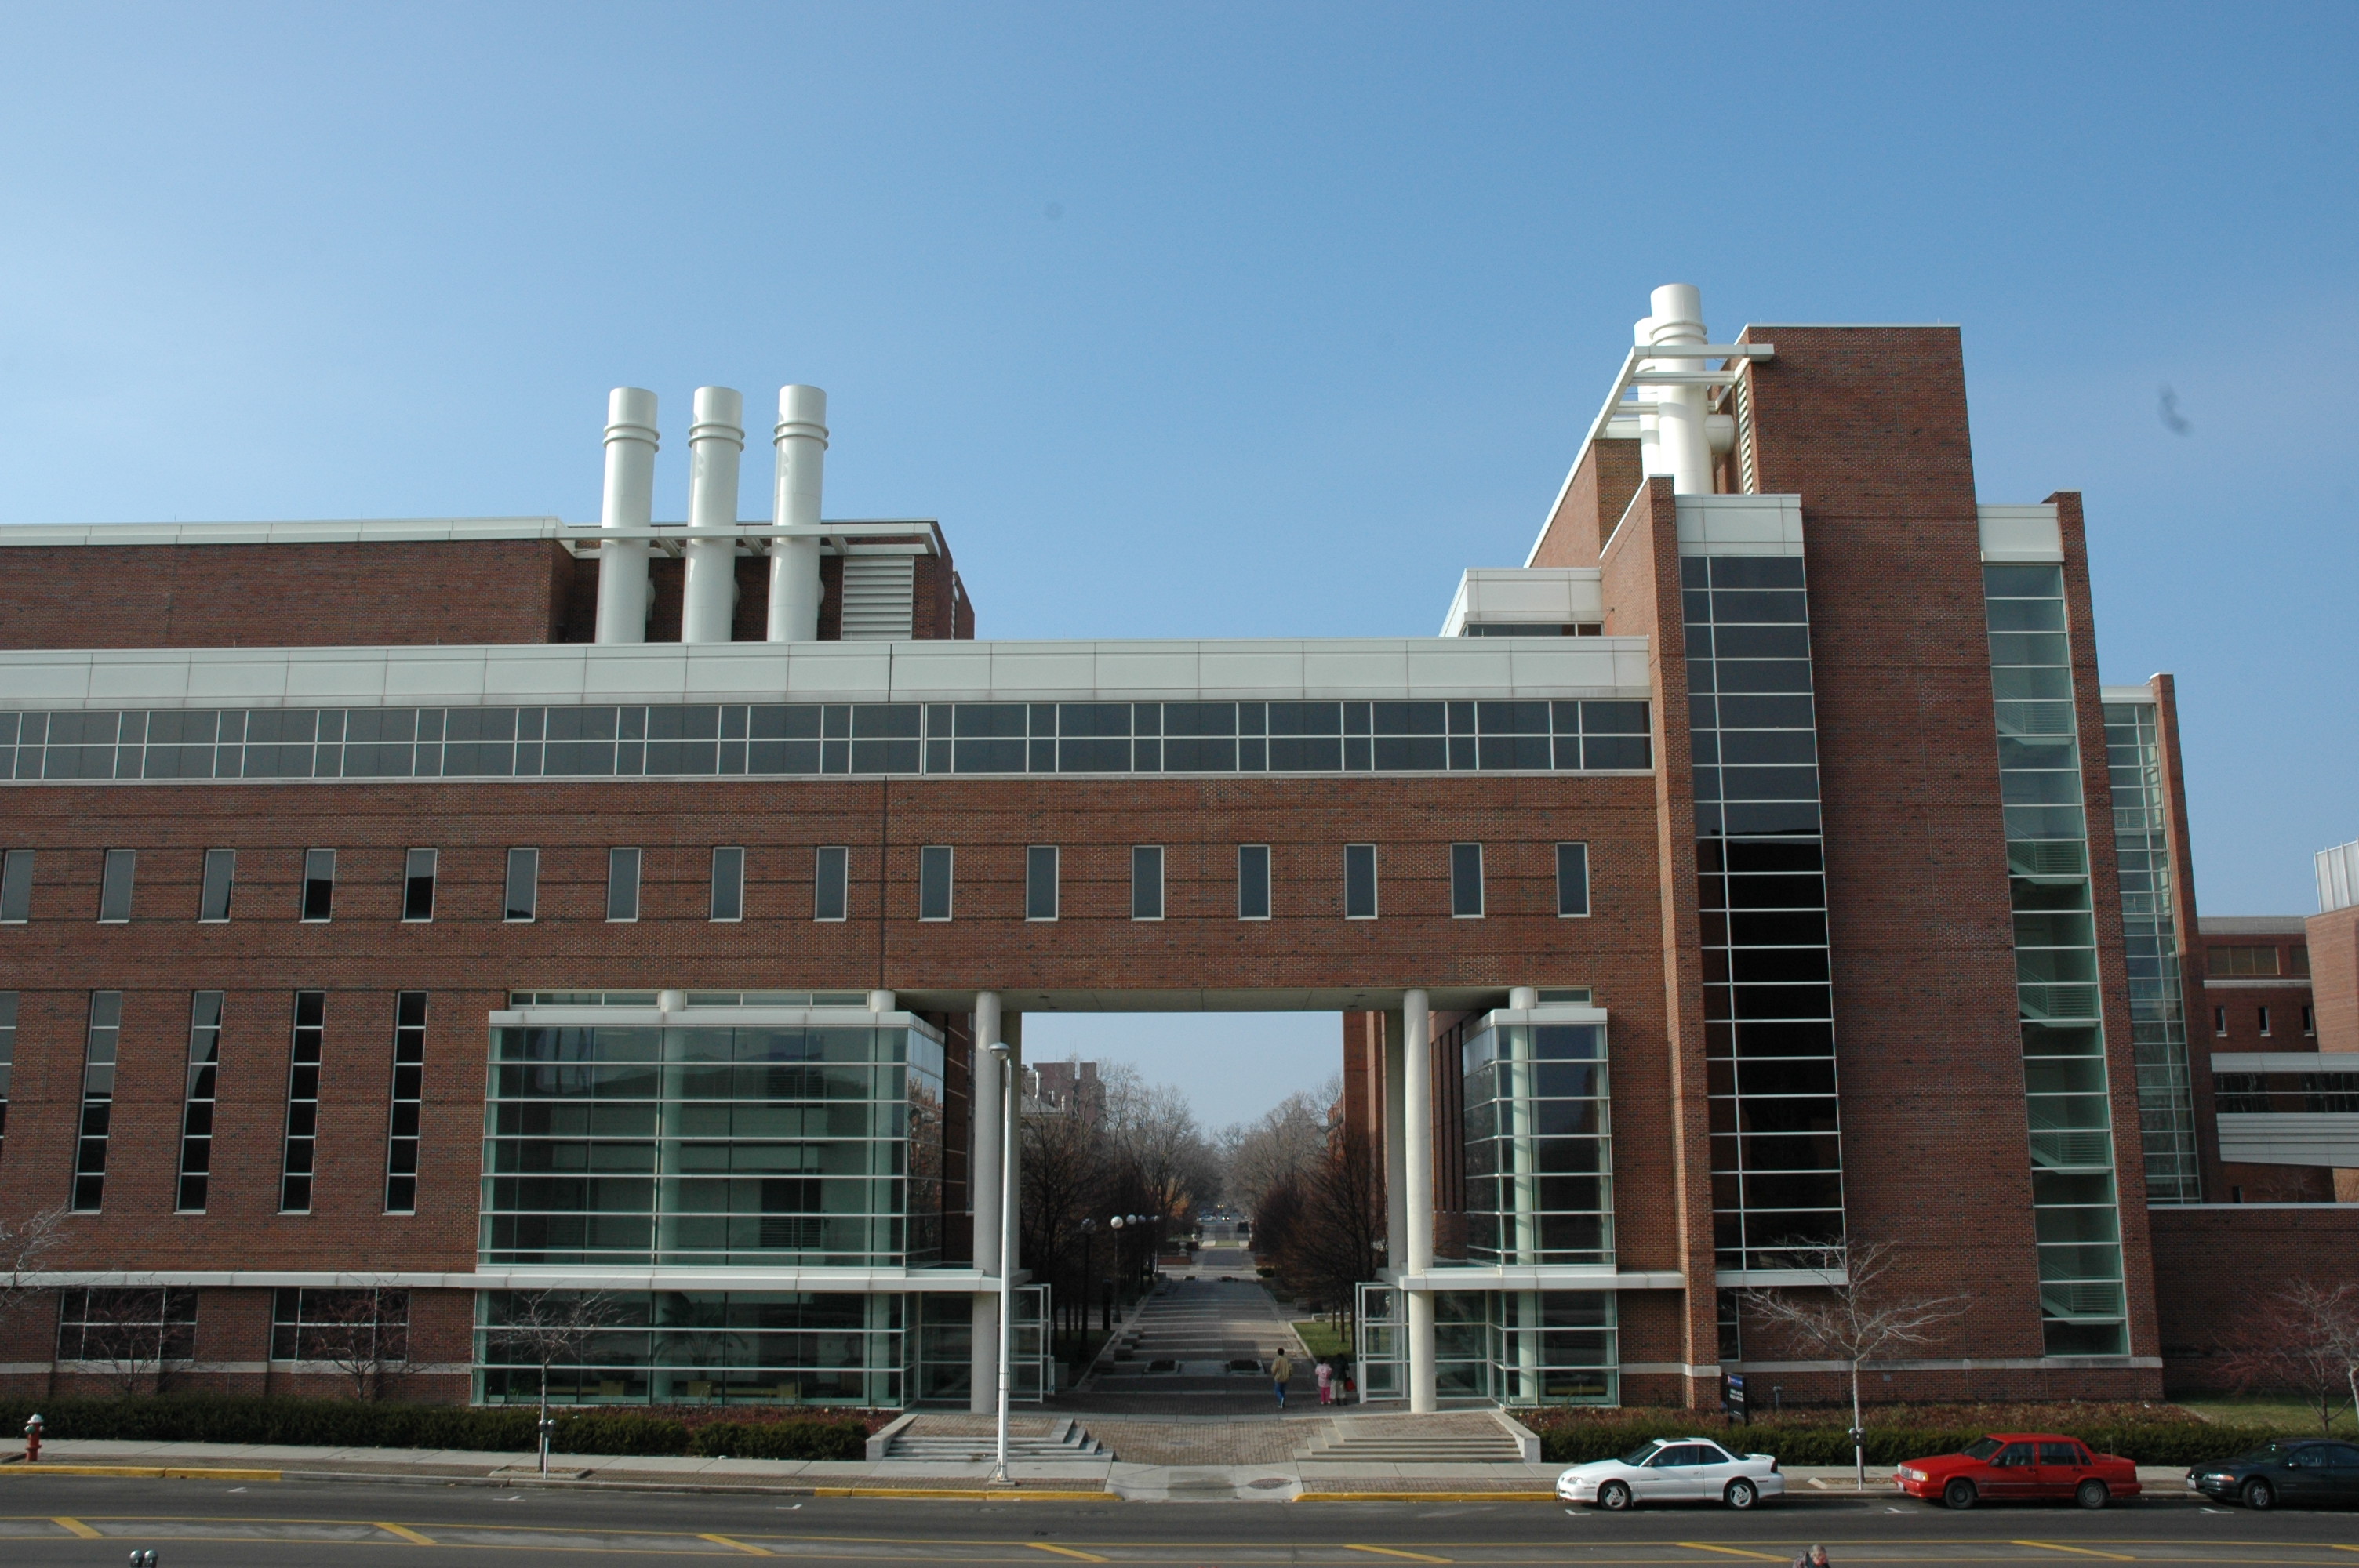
x=2010 y=1466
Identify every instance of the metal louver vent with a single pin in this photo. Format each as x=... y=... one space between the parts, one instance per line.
x=879 y=596
x=1749 y=475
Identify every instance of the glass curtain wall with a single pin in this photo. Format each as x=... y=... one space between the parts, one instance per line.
x=2074 y=1201
x=2158 y=1006
x=1525 y=1348
x=1776 y=1150
x=713 y=1146
x=1539 y=1161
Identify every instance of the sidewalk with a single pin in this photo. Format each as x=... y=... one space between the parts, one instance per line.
x=1282 y=1481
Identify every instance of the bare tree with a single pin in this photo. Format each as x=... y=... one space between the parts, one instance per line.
x=1285 y=1141
x=1333 y=1223
x=2304 y=1338
x=1860 y=1315
x=25 y=1240
x=548 y=1328
x=363 y=1332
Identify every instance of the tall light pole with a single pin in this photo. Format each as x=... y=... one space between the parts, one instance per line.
x=1007 y=1242
x=1089 y=1229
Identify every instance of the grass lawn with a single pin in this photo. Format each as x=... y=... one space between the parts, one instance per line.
x=1322 y=1337
x=2265 y=1410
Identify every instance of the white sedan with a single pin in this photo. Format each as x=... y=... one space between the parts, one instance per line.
x=1674 y=1469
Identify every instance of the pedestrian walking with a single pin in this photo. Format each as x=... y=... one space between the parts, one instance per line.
x=1326 y=1381
x=1281 y=1372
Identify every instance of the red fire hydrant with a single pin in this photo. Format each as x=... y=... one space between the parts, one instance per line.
x=33 y=1440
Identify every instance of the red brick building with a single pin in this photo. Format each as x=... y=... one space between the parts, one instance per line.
x=399 y=919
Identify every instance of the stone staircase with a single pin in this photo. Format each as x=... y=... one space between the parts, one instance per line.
x=1471 y=1438
x=1064 y=1440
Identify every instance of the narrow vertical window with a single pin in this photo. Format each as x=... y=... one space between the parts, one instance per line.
x=1147 y=881
x=2264 y=1021
x=523 y=899
x=319 y=884
x=221 y=880
x=97 y=1099
x=934 y=869
x=408 y=1102
x=197 y=1100
x=1040 y=882
x=1466 y=881
x=302 y=1102
x=1359 y=881
x=729 y=883
x=831 y=876
x=2309 y=1023
x=1253 y=882
x=15 y=887
x=418 y=886
x=1572 y=879
x=2219 y=1022
x=7 y=1058
x=114 y=886
x=621 y=885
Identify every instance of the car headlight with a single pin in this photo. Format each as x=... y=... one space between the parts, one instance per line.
x=2221 y=1476
x=1912 y=1473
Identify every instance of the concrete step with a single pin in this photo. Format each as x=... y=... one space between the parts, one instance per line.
x=1438 y=1449
x=1072 y=1443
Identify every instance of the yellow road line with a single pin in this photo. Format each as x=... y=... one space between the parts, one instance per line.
x=76 y=1527
x=404 y=1531
x=1067 y=1551
x=742 y=1546
x=965 y=1494
x=1388 y=1551
x=1731 y=1550
x=2078 y=1551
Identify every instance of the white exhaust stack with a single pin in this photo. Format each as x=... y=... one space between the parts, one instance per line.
x=715 y=441
x=800 y=438
x=629 y=502
x=1680 y=445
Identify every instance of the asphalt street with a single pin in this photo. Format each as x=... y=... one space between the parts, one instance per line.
x=209 y=1524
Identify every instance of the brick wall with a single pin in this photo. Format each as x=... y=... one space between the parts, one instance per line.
x=278 y=596
x=1868 y=426
x=2334 y=977
x=2212 y=1265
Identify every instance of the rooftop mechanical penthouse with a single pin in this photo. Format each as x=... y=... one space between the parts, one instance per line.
x=446 y=909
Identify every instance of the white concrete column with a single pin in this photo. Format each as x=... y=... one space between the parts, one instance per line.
x=883 y=1001
x=715 y=442
x=800 y=438
x=1417 y=1109
x=982 y=1163
x=1396 y=1151
x=630 y=503
x=1523 y=999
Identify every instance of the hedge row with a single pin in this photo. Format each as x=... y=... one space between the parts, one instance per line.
x=1796 y=1442
x=357 y=1424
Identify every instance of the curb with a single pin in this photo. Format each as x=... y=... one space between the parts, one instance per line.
x=145 y=1472
x=1425 y=1498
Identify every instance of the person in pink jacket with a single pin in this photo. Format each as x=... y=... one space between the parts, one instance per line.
x=1326 y=1382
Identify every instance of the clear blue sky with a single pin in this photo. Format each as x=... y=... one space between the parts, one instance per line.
x=1223 y=319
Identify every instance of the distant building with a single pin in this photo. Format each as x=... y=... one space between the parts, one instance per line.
x=1064 y=1088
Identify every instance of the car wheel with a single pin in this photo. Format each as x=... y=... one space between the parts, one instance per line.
x=2260 y=1496
x=1741 y=1494
x=1958 y=1495
x=1614 y=1497
x=2092 y=1494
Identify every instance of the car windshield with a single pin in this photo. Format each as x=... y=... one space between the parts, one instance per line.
x=1640 y=1455
x=2268 y=1451
x=1983 y=1449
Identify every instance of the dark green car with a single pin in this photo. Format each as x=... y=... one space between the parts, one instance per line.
x=2290 y=1473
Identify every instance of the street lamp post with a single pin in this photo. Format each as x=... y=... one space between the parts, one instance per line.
x=1007 y=1142
x=1089 y=1230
